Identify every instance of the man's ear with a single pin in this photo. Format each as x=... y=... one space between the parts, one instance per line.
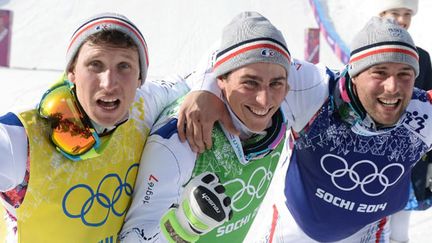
x=139 y=83
x=288 y=88
x=353 y=80
x=71 y=76
x=221 y=83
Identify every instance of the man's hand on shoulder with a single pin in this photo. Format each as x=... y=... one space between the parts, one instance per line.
x=197 y=115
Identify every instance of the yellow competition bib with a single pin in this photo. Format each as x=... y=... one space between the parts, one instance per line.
x=83 y=201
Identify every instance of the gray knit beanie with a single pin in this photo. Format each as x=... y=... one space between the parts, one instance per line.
x=250 y=38
x=382 y=41
x=108 y=21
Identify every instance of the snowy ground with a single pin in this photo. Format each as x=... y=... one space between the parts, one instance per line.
x=421 y=227
x=177 y=33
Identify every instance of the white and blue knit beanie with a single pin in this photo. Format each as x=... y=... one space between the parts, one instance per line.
x=382 y=41
x=103 y=22
x=250 y=38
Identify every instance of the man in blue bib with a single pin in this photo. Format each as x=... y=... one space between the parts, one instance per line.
x=351 y=161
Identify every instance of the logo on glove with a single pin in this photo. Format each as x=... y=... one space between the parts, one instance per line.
x=209 y=203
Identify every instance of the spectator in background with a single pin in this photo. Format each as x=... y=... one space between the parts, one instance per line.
x=420 y=194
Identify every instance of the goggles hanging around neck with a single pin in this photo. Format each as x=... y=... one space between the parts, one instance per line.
x=71 y=130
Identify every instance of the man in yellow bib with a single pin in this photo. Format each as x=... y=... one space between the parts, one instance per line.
x=68 y=166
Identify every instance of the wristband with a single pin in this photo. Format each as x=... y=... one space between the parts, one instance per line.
x=173 y=231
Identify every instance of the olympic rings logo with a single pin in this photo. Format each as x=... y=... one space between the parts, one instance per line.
x=363 y=174
x=105 y=197
x=252 y=189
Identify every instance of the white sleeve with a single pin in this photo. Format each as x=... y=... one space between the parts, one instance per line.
x=308 y=88
x=203 y=77
x=158 y=94
x=166 y=165
x=13 y=151
x=308 y=92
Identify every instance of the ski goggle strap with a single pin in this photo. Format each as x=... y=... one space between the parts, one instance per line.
x=71 y=131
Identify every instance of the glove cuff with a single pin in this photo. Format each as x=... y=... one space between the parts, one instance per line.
x=186 y=211
x=172 y=229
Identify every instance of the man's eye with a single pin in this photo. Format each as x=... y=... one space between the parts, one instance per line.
x=124 y=65
x=276 y=84
x=378 y=73
x=406 y=75
x=95 y=65
x=250 y=83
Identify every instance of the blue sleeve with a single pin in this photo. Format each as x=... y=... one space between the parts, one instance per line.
x=11 y=119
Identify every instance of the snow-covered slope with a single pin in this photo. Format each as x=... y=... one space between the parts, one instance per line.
x=179 y=32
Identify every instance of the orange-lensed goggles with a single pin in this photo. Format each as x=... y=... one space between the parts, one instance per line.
x=71 y=131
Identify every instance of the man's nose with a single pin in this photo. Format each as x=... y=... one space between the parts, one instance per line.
x=108 y=79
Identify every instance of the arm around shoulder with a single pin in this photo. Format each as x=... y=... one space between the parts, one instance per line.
x=13 y=150
x=155 y=95
x=308 y=91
